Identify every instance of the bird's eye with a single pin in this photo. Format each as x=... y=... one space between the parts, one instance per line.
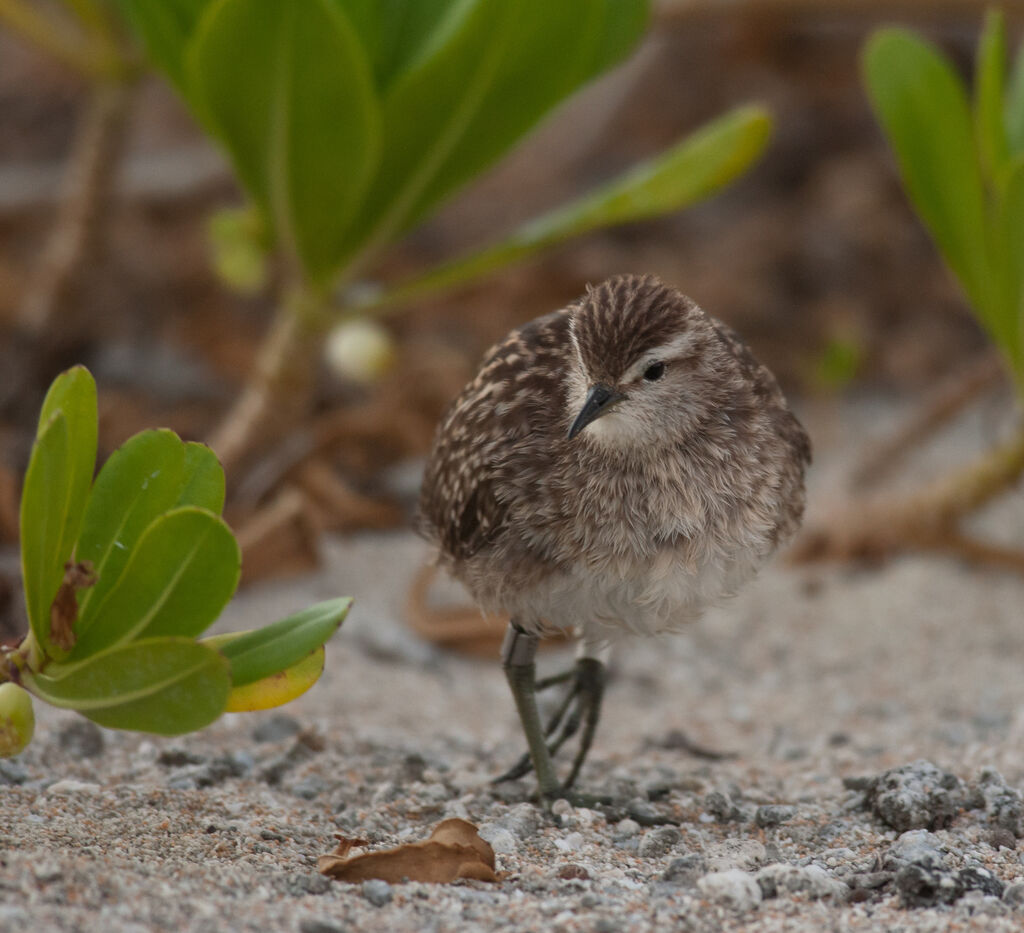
x=654 y=372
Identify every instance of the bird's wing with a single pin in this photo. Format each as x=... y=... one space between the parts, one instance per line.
x=498 y=421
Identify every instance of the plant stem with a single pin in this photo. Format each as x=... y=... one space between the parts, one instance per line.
x=280 y=388
x=88 y=191
x=927 y=520
x=89 y=54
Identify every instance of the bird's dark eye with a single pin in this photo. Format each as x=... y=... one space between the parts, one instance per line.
x=654 y=372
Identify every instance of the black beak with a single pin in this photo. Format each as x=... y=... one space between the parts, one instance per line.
x=600 y=400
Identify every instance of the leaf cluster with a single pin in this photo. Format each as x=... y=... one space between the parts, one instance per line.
x=122 y=574
x=962 y=163
x=348 y=122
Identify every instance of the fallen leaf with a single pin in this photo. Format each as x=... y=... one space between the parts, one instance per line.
x=64 y=608
x=453 y=850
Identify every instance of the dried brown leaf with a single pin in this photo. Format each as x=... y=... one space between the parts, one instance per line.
x=64 y=608
x=453 y=850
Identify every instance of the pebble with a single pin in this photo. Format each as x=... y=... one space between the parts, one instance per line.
x=72 y=786
x=810 y=880
x=736 y=889
x=81 y=739
x=276 y=728
x=685 y=869
x=1013 y=895
x=658 y=842
x=916 y=796
x=916 y=847
x=773 y=814
x=626 y=828
x=377 y=892
x=316 y=925
x=1003 y=804
x=926 y=886
x=501 y=839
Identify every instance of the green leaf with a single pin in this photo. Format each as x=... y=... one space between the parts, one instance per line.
x=74 y=393
x=693 y=169
x=140 y=481
x=502 y=67
x=204 y=479
x=260 y=653
x=277 y=689
x=1010 y=233
x=290 y=93
x=164 y=685
x=44 y=500
x=922 y=106
x=1014 y=107
x=395 y=34
x=179 y=577
x=989 y=79
x=165 y=27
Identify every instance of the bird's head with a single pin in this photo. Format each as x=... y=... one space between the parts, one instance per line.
x=648 y=363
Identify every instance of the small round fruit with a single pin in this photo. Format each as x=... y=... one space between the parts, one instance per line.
x=17 y=720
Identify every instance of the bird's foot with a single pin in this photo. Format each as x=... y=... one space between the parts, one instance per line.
x=581 y=706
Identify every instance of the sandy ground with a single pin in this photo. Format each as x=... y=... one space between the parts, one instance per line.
x=811 y=679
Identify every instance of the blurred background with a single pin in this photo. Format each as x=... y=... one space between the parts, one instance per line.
x=814 y=255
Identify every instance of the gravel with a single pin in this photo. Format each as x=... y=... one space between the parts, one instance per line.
x=910 y=821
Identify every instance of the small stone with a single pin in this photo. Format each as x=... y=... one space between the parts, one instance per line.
x=626 y=828
x=316 y=925
x=976 y=878
x=917 y=847
x=1002 y=839
x=1003 y=804
x=81 y=739
x=377 y=892
x=810 y=880
x=501 y=840
x=177 y=757
x=658 y=842
x=1013 y=895
x=916 y=796
x=71 y=786
x=924 y=886
x=573 y=842
x=735 y=889
x=309 y=788
x=685 y=869
x=572 y=872
x=12 y=773
x=48 y=872
x=979 y=904
x=561 y=807
x=523 y=820
x=724 y=807
x=772 y=814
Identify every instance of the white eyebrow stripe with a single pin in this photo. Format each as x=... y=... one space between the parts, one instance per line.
x=662 y=354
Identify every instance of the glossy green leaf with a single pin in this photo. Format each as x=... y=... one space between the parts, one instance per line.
x=290 y=93
x=204 y=479
x=165 y=27
x=1010 y=233
x=44 y=506
x=1014 y=106
x=180 y=575
x=989 y=83
x=164 y=685
x=280 y=688
x=693 y=169
x=258 y=654
x=73 y=392
x=140 y=481
x=923 y=108
x=395 y=34
x=503 y=65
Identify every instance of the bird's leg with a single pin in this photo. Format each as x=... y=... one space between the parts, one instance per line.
x=517 y=657
x=581 y=706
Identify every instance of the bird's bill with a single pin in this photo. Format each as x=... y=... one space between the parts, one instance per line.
x=600 y=400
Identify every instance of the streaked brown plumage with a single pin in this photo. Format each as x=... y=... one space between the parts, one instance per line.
x=682 y=476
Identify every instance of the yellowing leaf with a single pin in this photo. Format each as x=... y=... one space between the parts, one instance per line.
x=279 y=688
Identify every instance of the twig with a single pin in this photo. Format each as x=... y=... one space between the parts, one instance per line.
x=949 y=398
x=87 y=193
x=278 y=391
x=927 y=520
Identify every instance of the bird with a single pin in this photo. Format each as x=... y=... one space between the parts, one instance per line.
x=615 y=467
